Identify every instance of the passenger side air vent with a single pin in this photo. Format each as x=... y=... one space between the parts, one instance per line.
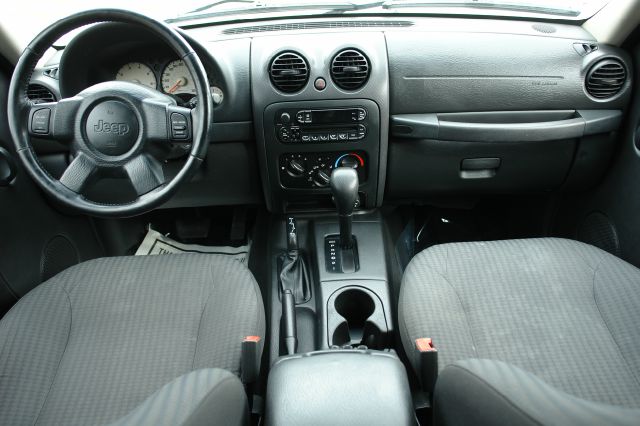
x=350 y=69
x=289 y=72
x=606 y=78
x=38 y=94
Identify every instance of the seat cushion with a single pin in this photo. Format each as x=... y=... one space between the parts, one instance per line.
x=94 y=342
x=564 y=311
x=202 y=397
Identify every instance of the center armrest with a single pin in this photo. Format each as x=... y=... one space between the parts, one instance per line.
x=339 y=387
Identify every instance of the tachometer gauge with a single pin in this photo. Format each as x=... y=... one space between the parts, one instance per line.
x=139 y=73
x=176 y=79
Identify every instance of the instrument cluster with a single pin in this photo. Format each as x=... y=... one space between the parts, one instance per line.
x=172 y=78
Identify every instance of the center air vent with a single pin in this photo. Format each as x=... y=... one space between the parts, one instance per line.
x=606 y=78
x=38 y=94
x=289 y=72
x=350 y=69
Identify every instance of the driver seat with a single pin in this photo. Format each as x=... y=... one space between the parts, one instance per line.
x=131 y=340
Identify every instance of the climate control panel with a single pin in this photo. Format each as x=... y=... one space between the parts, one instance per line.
x=313 y=170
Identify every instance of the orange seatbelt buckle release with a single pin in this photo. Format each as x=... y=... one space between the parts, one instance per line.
x=427 y=356
x=250 y=359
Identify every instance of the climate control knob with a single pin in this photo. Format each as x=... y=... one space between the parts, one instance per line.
x=321 y=177
x=350 y=161
x=295 y=168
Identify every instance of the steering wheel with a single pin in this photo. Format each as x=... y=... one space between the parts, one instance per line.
x=111 y=126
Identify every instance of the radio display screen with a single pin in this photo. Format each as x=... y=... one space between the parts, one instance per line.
x=332 y=116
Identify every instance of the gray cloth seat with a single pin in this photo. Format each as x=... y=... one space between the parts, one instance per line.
x=131 y=340
x=540 y=331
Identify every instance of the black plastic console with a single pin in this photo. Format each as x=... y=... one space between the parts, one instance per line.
x=355 y=308
x=305 y=141
x=339 y=387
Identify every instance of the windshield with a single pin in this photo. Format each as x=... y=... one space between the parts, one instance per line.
x=24 y=19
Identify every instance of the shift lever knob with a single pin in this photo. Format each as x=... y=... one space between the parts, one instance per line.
x=344 y=186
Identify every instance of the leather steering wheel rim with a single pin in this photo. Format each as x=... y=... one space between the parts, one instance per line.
x=144 y=108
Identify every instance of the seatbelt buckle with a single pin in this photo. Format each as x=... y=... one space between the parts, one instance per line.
x=427 y=356
x=250 y=359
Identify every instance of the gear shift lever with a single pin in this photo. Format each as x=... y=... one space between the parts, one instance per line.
x=344 y=186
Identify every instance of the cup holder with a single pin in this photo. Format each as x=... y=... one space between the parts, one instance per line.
x=356 y=317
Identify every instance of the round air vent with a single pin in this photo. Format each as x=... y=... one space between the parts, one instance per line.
x=350 y=69
x=606 y=78
x=289 y=72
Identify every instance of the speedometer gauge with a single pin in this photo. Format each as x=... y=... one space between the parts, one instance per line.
x=138 y=73
x=176 y=79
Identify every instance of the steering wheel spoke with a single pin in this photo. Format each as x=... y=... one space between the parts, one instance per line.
x=145 y=173
x=54 y=120
x=80 y=174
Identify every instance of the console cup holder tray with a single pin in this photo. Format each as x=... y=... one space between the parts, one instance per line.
x=355 y=316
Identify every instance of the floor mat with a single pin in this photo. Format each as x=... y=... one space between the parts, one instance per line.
x=156 y=243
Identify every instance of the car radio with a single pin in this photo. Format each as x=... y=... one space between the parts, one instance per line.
x=328 y=125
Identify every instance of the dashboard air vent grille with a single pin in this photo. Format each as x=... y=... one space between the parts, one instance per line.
x=316 y=25
x=38 y=94
x=606 y=78
x=289 y=72
x=350 y=69
x=52 y=72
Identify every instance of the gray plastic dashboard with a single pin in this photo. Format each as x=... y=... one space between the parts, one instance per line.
x=448 y=89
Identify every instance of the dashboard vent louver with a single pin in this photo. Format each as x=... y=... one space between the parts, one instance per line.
x=316 y=25
x=289 y=72
x=350 y=69
x=52 y=72
x=38 y=94
x=606 y=78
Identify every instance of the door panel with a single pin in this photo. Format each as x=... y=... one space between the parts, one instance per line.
x=36 y=240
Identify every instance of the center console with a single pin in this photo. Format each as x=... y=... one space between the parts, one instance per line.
x=306 y=141
x=321 y=115
x=317 y=107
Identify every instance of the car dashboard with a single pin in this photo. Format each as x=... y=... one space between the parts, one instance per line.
x=422 y=107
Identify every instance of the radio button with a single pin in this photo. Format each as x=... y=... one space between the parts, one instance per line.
x=315 y=138
x=306 y=138
x=307 y=117
x=353 y=136
x=284 y=134
x=343 y=136
x=333 y=136
x=300 y=116
x=324 y=137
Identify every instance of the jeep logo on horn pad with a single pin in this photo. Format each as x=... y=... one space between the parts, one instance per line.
x=115 y=128
x=112 y=128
